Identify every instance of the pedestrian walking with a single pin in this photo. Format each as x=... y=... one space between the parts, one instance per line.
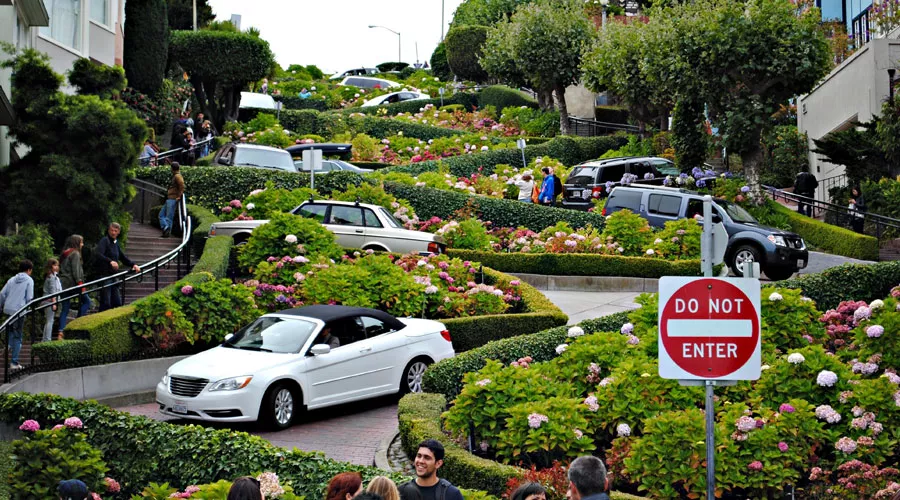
x=383 y=487
x=587 y=479
x=51 y=286
x=344 y=486
x=857 y=209
x=109 y=253
x=805 y=185
x=16 y=293
x=427 y=485
x=71 y=275
x=525 y=185
x=548 y=188
x=175 y=191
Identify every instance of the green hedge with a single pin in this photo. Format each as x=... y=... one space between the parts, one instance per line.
x=297 y=102
x=62 y=351
x=445 y=377
x=429 y=202
x=501 y=96
x=139 y=450
x=108 y=332
x=381 y=128
x=832 y=239
x=5 y=466
x=419 y=417
x=580 y=264
x=847 y=282
x=540 y=314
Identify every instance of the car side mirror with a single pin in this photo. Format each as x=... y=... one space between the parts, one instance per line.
x=228 y=337
x=716 y=218
x=319 y=349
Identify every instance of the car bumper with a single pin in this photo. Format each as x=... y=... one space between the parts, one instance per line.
x=788 y=258
x=577 y=204
x=224 y=406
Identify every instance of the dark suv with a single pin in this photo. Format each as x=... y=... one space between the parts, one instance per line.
x=592 y=179
x=779 y=253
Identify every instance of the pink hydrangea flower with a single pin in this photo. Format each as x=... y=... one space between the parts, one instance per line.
x=536 y=419
x=786 y=408
x=783 y=446
x=112 y=486
x=875 y=331
x=591 y=402
x=756 y=465
x=73 y=423
x=845 y=445
x=30 y=426
x=745 y=424
x=483 y=382
x=187 y=289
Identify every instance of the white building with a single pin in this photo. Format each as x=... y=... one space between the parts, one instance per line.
x=65 y=30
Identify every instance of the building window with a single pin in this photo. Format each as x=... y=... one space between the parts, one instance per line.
x=100 y=11
x=65 y=22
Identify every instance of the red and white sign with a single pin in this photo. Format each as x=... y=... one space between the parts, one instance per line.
x=709 y=328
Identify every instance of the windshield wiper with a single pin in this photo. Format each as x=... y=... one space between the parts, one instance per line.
x=254 y=348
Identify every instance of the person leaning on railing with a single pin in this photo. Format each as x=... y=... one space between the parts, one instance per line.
x=108 y=255
x=17 y=292
x=176 y=189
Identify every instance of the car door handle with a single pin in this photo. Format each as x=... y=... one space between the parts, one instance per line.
x=359 y=231
x=366 y=349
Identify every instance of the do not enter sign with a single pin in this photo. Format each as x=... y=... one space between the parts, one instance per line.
x=709 y=328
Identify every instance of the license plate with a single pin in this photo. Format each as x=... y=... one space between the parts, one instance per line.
x=586 y=194
x=179 y=409
x=801 y=263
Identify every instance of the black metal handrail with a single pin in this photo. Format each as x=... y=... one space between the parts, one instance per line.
x=164 y=157
x=829 y=183
x=181 y=255
x=589 y=128
x=882 y=223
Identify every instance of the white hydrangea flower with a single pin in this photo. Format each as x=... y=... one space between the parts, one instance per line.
x=575 y=331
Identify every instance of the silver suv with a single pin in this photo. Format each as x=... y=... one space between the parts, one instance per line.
x=356 y=225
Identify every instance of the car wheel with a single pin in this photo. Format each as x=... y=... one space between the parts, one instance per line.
x=742 y=255
x=779 y=273
x=412 y=376
x=280 y=407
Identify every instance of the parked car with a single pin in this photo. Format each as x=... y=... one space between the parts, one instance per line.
x=256 y=100
x=355 y=72
x=589 y=180
x=779 y=253
x=365 y=82
x=356 y=225
x=404 y=95
x=254 y=155
x=333 y=166
x=279 y=365
x=327 y=148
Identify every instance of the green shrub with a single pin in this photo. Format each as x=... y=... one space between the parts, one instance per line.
x=628 y=231
x=215 y=308
x=43 y=458
x=297 y=102
x=215 y=257
x=108 y=331
x=274 y=239
x=64 y=352
x=202 y=220
x=5 y=465
x=31 y=242
x=265 y=203
x=381 y=128
x=787 y=320
x=787 y=154
x=332 y=182
x=464 y=45
x=832 y=239
x=847 y=282
x=501 y=96
x=785 y=380
x=439 y=65
x=564 y=435
x=160 y=322
x=467 y=234
x=580 y=264
x=180 y=455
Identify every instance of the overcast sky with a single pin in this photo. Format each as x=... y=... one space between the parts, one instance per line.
x=334 y=34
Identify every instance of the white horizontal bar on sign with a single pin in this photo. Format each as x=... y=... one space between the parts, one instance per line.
x=710 y=328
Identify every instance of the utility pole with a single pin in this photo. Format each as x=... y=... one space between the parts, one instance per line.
x=195 y=15
x=442 y=20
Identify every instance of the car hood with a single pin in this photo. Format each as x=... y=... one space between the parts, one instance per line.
x=764 y=230
x=224 y=362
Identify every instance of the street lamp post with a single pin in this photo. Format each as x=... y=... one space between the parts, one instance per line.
x=603 y=4
x=394 y=32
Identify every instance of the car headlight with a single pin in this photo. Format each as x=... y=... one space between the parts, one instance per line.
x=778 y=240
x=165 y=379
x=232 y=384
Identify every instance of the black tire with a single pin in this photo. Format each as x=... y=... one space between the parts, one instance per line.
x=412 y=375
x=779 y=273
x=743 y=253
x=279 y=407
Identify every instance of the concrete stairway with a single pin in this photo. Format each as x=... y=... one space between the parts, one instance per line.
x=145 y=243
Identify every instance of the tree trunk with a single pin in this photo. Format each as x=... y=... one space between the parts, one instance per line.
x=563 y=110
x=753 y=158
x=545 y=100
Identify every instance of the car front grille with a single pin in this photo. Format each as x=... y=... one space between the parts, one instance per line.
x=186 y=386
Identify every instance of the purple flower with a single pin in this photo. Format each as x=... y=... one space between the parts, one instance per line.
x=846 y=445
x=627 y=329
x=783 y=446
x=591 y=402
x=786 y=408
x=623 y=430
x=536 y=419
x=745 y=424
x=187 y=289
x=30 y=426
x=756 y=465
x=826 y=378
x=633 y=340
x=745 y=189
x=875 y=331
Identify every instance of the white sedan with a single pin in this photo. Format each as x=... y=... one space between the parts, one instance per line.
x=393 y=97
x=304 y=358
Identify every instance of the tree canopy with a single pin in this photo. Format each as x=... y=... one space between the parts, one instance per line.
x=181 y=14
x=484 y=12
x=231 y=61
x=146 y=45
x=464 y=46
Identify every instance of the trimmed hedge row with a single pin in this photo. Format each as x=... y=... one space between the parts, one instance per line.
x=540 y=314
x=381 y=128
x=847 y=282
x=445 y=377
x=568 y=150
x=832 y=239
x=139 y=450
x=419 y=418
x=501 y=96
x=429 y=202
x=62 y=351
x=567 y=264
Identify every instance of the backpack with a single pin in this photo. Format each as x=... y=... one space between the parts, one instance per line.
x=557 y=186
x=535 y=192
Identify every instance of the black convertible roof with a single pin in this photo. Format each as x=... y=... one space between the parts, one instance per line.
x=329 y=313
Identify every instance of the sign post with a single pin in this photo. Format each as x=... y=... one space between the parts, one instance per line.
x=441 y=91
x=520 y=143
x=312 y=158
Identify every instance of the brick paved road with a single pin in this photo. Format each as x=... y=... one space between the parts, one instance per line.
x=349 y=432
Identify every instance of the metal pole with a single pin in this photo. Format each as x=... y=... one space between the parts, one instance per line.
x=442 y=20
x=195 y=15
x=399 y=59
x=710 y=441
x=706 y=246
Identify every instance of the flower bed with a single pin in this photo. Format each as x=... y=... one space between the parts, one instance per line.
x=822 y=415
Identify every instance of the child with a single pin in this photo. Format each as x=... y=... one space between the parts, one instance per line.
x=17 y=292
x=51 y=286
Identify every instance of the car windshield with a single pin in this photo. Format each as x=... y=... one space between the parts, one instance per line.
x=737 y=213
x=264 y=158
x=390 y=218
x=272 y=334
x=590 y=172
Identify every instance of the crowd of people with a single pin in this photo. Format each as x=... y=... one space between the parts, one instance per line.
x=545 y=193
x=191 y=137
x=587 y=481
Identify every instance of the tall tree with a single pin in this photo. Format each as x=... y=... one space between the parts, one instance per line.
x=231 y=62
x=80 y=147
x=464 y=46
x=484 y=12
x=546 y=42
x=146 y=46
x=439 y=65
x=181 y=14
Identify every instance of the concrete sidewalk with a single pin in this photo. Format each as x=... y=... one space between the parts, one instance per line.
x=580 y=306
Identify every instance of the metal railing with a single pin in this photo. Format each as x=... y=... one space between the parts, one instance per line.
x=829 y=183
x=882 y=225
x=591 y=128
x=33 y=313
x=166 y=157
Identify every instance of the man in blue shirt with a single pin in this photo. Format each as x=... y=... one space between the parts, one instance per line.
x=587 y=479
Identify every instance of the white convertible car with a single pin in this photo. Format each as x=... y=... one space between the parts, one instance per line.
x=304 y=358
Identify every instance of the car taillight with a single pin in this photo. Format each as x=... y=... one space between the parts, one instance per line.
x=434 y=248
x=212 y=231
x=446 y=335
x=596 y=192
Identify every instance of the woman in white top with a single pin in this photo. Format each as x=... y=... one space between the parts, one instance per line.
x=525 y=185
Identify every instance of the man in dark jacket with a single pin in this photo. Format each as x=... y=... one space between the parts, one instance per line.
x=426 y=485
x=805 y=185
x=108 y=256
x=587 y=479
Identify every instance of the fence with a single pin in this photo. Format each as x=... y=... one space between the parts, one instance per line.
x=203 y=147
x=881 y=226
x=35 y=310
x=829 y=183
x=590 y=128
